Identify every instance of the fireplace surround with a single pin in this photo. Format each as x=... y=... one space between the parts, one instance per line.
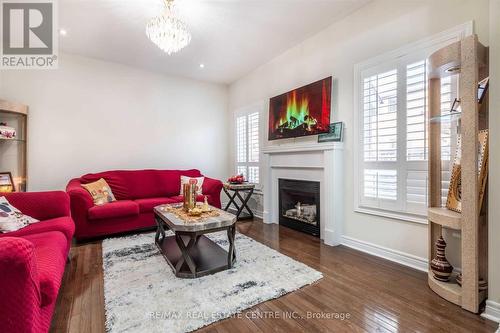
x=310 y=161
x=299 y=205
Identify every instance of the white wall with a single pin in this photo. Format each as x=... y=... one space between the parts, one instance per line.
x=91 y=115
x=379 y=27
x=494 y=159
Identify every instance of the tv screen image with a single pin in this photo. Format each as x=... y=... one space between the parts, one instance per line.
x=300 y=112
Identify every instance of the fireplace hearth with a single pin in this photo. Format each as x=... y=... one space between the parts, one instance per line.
x=299 y=205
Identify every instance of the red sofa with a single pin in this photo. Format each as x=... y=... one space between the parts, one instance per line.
x=137 y=192
x=32 y=261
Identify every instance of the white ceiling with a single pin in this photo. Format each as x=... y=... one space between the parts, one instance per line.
x=231 y=37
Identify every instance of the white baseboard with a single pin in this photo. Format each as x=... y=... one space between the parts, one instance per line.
x=266 y=217
x=383 y=252
x=330 y=238
x=492 y=312
x=259 y=215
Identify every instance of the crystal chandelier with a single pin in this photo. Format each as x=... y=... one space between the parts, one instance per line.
x=167 y=31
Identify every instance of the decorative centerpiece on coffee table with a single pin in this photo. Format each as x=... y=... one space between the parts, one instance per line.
x=188 y=251
x=189 y=193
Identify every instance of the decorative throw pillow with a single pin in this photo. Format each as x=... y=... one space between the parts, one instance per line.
x=100 y=191
x=198 y=181
x=11 y=219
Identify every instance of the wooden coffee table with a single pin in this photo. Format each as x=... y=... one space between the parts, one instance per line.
x=189 y=252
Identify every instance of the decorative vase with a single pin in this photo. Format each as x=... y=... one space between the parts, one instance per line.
x=189 y=192
x=441 y=268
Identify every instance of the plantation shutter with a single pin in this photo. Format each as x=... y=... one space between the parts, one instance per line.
x=380 y=148
x=247 y=146
x=241 y=145
x=392 y=124
x=417 y=153
x=416 y=138
x=253 y=147
x=394 y=138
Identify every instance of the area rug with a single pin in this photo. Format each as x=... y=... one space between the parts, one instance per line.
x=143 y=295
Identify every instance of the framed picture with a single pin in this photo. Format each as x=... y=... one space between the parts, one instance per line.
x=454 y=200
x=6 y=182
x=301 y=112
x=335 y=133
x=482 y=88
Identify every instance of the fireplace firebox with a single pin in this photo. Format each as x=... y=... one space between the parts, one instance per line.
x=299 y=205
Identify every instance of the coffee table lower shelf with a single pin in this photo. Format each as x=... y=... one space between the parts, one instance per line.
x=207 y=257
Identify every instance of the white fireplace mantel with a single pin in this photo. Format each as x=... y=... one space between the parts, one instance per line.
x=304 y=147
x=322 y=162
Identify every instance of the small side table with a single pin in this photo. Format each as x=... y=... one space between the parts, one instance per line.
x=247 y=190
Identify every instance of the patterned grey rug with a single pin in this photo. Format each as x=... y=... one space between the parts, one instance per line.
x=143 y=295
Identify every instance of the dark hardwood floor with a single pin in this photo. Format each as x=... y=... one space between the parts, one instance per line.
x=378 y=295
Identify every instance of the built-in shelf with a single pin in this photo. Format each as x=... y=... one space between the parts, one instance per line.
x=13 y=152
x=449 y=290
x=446 y=117
x=13 y=107
x=467 y=60
x=445 y=217
x=15 y=140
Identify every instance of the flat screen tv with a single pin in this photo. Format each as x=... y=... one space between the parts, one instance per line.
x=300 y=112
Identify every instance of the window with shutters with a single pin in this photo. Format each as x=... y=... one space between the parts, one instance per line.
x=392 y=119
x=247 y=147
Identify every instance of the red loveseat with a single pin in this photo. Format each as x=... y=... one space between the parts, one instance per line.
x=137 y=192
x=32 y=261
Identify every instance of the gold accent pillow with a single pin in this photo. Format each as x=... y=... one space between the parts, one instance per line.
x=100 y=191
